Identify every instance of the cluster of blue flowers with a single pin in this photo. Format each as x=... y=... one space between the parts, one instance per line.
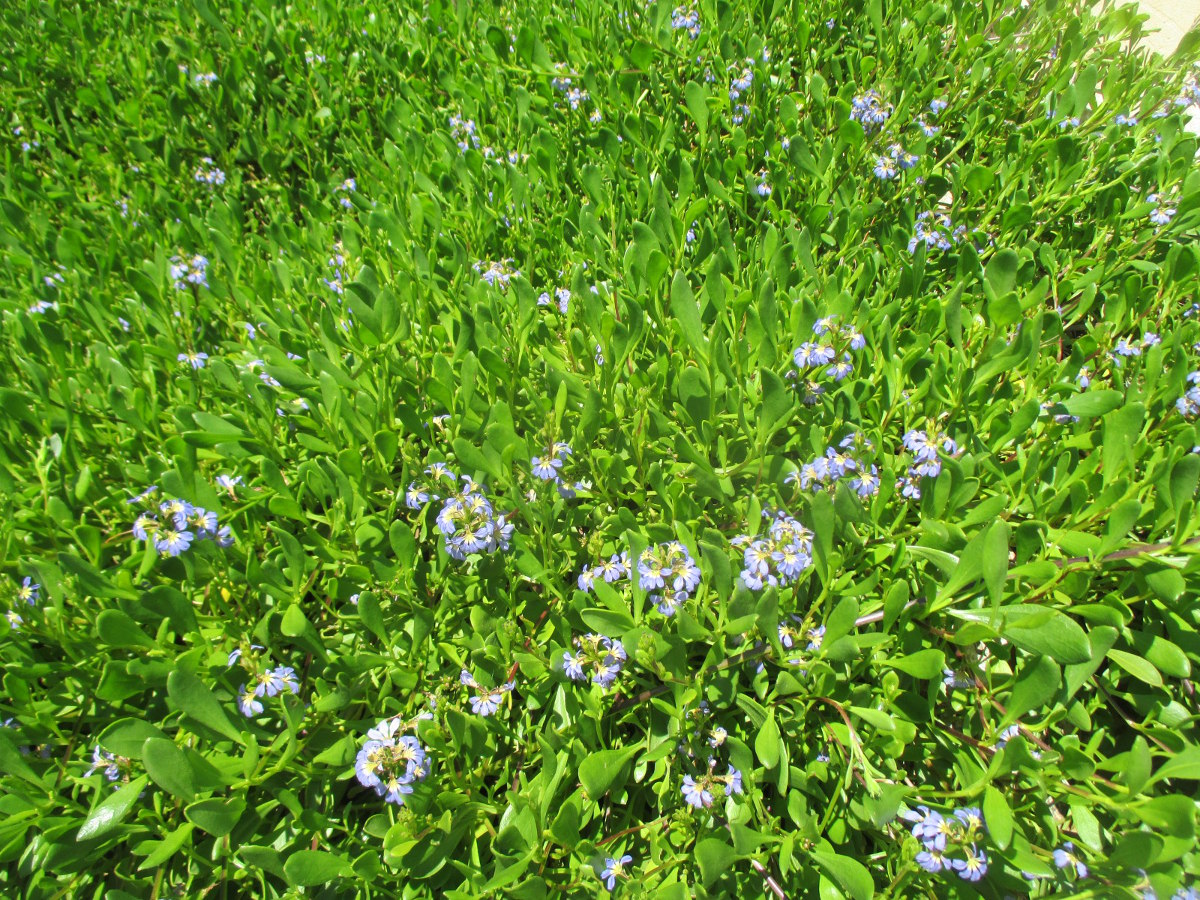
x=263 y=680
x=464 y=132
x=778 y=557
x=27 y=593
x=548 y=467
x=837 y=463
x=942 y=835
x=486 y=700
x=497 y=274
x=616 y=568
x=741 y=80
x=562 y=299
x=391 y=762
x=337 y=263
x=192 y=272
x=115 y=768
x=935 y=231
x=468 y=521
x=702 y=792
x=346 y=188
x=1189 y=404
x=669 y=570
x=565 y=85
x=209 y=174
x=831 y=353
x=603 y=656
x=180 y=525
x=789 y=634
x=890 y=165
x=1163 y=212
x=927 y=462
x=686 y=18
x=870 y=111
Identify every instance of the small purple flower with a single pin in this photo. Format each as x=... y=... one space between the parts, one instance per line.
x=172 y=541
x=1066 y=858
x=249 y=703
x=546 y=468
x=614 y=869
x=28 y=591
x=696 y=793
x=974 y=867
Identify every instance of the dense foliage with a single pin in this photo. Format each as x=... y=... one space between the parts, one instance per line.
x=553 y=448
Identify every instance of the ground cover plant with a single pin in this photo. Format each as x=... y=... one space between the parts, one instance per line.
x=541 y=449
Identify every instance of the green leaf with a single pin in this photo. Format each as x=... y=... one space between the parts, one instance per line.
x=216 y=815
x=1000 y=276
x=112 y=811
x=161 y=851
x=1035 y=684
x=305 y=868
x=120 y=630
x=766 y=742
x=603 y=769
x=1093 y=402
x=715 y=858
x=998 y=816
x=126 y=737
x=169 y=768
x=194 y=698
x=1050 y=632
x=696 y=100
x=1137 y=666
x=851 y=875
x=927 y=663
x=687 y=314
x=995 y=559
x=13 y=763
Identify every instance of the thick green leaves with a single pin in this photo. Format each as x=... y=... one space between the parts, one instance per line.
x=312 y=867
x=605 y=769
x=195 y=699
x=111 y=812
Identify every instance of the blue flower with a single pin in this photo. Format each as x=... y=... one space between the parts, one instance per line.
x=810 y=355
x=1065 y=858
x=573 y=666
x=547 y=469
x=587 y=578
x=696 y=793
x=885 y=168
x=195 y=360
x=249 y=703
x=733 y=781
x=172 y=541
x=971 y=817
x=614 y=869
x=28 y=591
x=954 y=680
x=202 y=519
x=866 y=484
x=974 y=867
x=870 y=110
x=927 y=827
x=931 y=860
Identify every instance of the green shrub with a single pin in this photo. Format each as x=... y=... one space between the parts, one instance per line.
x=533 y=449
